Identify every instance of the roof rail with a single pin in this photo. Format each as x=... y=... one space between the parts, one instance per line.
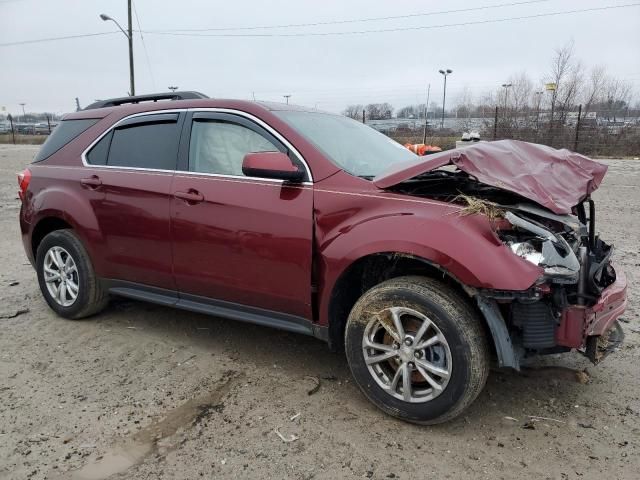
x=153 y=97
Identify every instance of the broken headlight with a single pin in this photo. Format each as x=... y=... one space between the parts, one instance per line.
x=527 y=251
x=545 y=249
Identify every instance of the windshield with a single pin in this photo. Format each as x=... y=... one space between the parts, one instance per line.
x=356 y=148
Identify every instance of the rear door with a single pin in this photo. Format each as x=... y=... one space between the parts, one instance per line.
x=239 y=239
x=133 y=166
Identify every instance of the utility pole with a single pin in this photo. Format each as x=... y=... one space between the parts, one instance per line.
x=539 y=97
x=130 y=38
x=506 y=87
x=444 y=93
x=23 y=114
x=77 y=104
x=426 y=115
x=575 y=143
x=13 y=132
x=287 y=98
x=129 y=34
x=364 y=116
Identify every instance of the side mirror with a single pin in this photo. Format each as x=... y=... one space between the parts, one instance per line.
x=271 y=165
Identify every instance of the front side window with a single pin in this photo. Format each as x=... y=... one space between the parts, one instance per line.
x=219 y=147
x=148 y=145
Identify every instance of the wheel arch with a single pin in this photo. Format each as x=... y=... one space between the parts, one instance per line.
x=45 y=226
x=373 y=269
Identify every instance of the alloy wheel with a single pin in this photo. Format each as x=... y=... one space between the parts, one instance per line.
x=407 y=354
x=61 y=276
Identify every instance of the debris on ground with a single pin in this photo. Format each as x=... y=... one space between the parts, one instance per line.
x=535 y=417
x=316 y=387
x=529 y=425
x=583 y=377
x=289 y=439
x=15 y=313
x=294 y=417
x=586 y=425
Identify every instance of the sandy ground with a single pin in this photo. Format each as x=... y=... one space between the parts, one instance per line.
x=146 y=392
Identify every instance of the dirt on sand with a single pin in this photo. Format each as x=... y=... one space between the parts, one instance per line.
x=145 y=392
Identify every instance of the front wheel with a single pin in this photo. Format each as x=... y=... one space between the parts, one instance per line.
x=417 y=349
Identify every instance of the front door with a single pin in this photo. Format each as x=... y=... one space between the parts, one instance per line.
x=235 y=238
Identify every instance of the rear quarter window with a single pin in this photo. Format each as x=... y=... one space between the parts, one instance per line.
x=66 y=131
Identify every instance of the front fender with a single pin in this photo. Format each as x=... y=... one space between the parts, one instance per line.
x=464 y=246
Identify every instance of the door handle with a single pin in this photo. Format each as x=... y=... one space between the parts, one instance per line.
x=191 y=197
x=92 y=182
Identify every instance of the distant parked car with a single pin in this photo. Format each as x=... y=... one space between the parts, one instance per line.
x=317 y=224
x=41 y=129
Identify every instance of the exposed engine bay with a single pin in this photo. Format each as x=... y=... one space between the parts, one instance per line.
x=575 y=261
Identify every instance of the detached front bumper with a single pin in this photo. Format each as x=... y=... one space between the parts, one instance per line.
x=581 y=326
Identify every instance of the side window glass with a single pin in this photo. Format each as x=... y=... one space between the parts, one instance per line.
x=148 y=145
x=219 y=147
x=98 y=154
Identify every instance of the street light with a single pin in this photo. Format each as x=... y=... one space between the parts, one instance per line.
x=287 y=98
x=129 y=35
x=444 y=94
x=173 y=89
x=23 y=114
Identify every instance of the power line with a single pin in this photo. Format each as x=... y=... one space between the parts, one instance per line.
x=53 y=39
x=356 y=20
x=398 y=29
x=144 y=46
x=316 y=34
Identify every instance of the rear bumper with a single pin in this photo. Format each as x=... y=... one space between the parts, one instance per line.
x=579 y=323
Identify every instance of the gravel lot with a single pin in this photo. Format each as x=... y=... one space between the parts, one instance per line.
x=146 y=392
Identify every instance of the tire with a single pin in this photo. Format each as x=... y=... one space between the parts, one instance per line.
x=461 y=361
x=90 y=297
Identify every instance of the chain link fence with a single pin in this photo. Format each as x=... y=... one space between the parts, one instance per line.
x=603 y=134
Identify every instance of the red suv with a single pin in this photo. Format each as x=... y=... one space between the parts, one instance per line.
x=422 y=268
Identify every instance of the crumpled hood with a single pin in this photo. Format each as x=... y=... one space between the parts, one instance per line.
x=555 y=179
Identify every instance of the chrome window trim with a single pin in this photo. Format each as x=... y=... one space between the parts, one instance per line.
x=83 y=156
x=251 y=117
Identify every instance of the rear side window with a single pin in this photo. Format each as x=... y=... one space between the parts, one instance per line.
x=66 y=131
x=148 y=145
x=149 y=141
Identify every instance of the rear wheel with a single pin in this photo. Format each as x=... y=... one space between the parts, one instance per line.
x=66 y=277
x=417 y=349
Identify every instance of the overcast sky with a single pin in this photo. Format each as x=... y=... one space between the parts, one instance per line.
x=323 y=70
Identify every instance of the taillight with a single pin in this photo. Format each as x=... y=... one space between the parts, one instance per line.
x=23 y=182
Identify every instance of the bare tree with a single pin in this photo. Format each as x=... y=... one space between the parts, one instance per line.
x=594 y=89
x=617 y=95
x=379 y=111
x=353 y=111
x=566 y=74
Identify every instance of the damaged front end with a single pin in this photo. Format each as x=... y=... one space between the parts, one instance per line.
x=539 y=201
x=576 y=301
